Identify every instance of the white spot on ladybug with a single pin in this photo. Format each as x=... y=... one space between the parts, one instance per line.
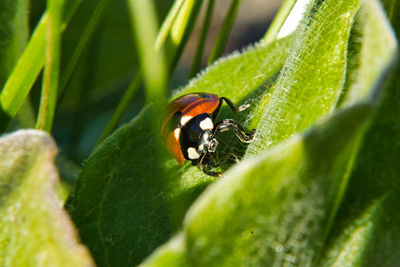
x=177 y=131
x=185 y=119
x=206 y=124
x=192 y=153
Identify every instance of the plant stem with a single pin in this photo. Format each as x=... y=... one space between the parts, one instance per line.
x=52 y=67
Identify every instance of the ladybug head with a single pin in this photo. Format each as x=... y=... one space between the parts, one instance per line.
x=207 y=143
x=197 y=138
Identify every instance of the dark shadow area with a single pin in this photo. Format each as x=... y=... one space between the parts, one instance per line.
x=4 y=120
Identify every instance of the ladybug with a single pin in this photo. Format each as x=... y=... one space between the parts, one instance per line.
x=189 y=130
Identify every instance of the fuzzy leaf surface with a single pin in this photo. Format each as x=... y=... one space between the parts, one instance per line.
x=34 y=229
x=365 y=230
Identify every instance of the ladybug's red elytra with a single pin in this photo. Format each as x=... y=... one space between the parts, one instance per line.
x=189 y=130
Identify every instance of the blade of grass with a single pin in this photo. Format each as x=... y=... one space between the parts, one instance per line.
x=14 y=33
x=196 y=66
x=27 y=69
x=48 y=98
x=181 y=31
x=167 y=24
x=225 y=31
x=278 y=21
x=91 y=27
x=24 y=75
x=144 y=24
x=181 y=21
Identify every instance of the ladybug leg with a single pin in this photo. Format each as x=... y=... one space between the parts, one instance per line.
x=228 y=124
x=229 y=155
x=203 y=165
x=215 y=174
x=239 y=108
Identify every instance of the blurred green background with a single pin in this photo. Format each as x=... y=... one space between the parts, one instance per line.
x=109 y=62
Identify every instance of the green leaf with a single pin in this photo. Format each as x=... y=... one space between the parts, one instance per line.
x=170 y=254
x=372 y=47
x=370 y=205
x=311 y=80
x=351 y=244
x=128 y=198
x=34 y=229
